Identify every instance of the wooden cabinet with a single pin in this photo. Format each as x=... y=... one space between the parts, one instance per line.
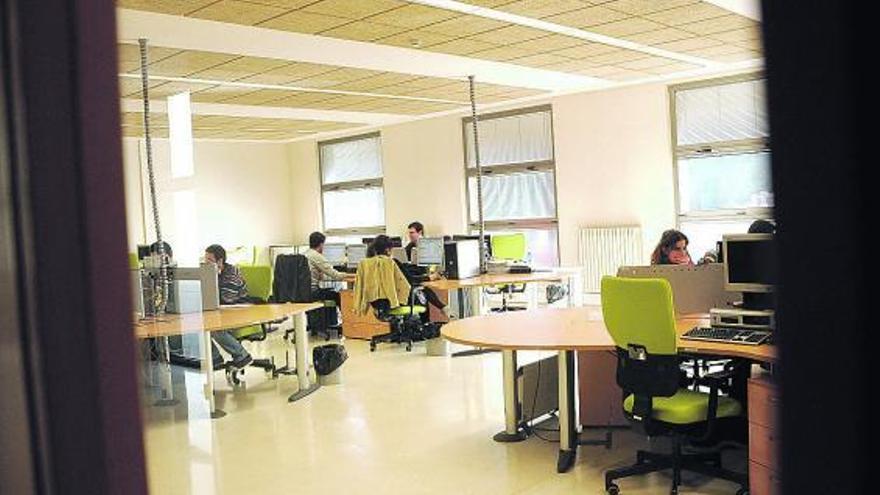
x=764 y=440
x=600 y=399
x=355 y=326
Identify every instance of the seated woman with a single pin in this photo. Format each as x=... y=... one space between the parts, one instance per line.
x=672 y=249
x=415 y=275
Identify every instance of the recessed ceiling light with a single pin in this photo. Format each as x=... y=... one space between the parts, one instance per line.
x=415 y=43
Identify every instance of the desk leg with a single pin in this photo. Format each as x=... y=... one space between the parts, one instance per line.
x=568 y=437
x=165 y=370
x=208 y=370
x=301 y=334
x=512 y=431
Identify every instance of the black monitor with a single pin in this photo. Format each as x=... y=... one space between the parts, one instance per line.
x=367 y=240
x=396 y=241
x=143 y=251
x=749 y=262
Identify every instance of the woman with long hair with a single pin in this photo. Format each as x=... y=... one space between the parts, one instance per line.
x=672 y=249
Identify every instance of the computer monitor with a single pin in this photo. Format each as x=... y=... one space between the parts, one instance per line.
x=335 y=253
x=396 y=241
x=749 y=262
x=430 y=251
x=487 y=241
x=367 y=240
x=355 y=254
x=143 y=251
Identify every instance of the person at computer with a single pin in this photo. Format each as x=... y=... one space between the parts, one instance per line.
x=233 y=290
x=414 y=231
x=322 y=270
x=414 y=274
x=759 y=226
x=672 y=249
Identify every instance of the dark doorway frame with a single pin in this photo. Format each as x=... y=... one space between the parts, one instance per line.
x=73 y=321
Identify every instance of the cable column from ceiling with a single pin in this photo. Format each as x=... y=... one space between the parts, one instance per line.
x=479 y=168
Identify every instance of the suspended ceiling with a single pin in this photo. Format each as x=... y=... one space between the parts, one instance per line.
x=410 y=58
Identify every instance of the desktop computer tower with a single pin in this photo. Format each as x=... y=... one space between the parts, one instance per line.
x=538 y=388
x=462 y=259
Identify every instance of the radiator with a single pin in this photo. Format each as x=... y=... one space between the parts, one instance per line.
x=602 y=250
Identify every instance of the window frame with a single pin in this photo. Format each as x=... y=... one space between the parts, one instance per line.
x=350 y=186
x=510 y=169
x=717 y=148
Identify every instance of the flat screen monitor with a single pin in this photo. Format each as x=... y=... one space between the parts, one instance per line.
x=367 y=240
x=396 y=241
x=355 y=254
x=430 y=251
x=749 y=262
x=335 y=253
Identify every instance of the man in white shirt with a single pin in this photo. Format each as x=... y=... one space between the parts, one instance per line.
x=321 y=270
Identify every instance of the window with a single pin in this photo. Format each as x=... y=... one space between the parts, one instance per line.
x=519 y=178
x=722 y=158
x=351 y=185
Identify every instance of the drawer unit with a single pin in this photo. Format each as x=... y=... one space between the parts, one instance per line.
x=764 y=440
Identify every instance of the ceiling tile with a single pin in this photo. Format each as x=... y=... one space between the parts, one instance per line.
x=586 y=50
x=552 y=42
x=352 y=9
x=462 y=47
x=303 y=100
x=218 y=94
x=285 y=4
x=672 y=68
x=739 y=56
x=539 y=60
x=616 y=57
x=464 y=26
x=289 y=73
x=718 y=24
x=571 y=66
x=508 y=35
x=591 y=16
x=413 y=16
x=664 y=35
x=626 y=27
x=689 y=44
x=175 y=7
x=130 y=56
x=640 y=7
x=502 y=53
x=240 y=68
x=362 y=31
x=304 y=22
x=237 y=12
x=415 y=39
x=188 y=62
x=258 y=97
x=687 y=14
x=645 y=63
x=541 y=8
x=742 y=34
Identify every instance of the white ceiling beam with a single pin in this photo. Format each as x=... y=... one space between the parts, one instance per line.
x=265 y=112
x=187 y=33
x=551 y=27
x=745 y=8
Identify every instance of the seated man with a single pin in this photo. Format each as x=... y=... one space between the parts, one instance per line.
x=414 y=231
x=321 y=270
x=232 y=290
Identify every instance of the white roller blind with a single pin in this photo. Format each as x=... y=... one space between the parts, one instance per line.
x=518 y=196
x=514 y=139
x=354 y=208
x=726 y=112
x=351 y=160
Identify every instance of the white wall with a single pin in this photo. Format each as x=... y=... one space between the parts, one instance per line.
x=241 y=194
x=613 y=164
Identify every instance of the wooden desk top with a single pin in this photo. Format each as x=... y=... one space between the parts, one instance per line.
x=502 y=279
x=225 y=318
x=555 y=329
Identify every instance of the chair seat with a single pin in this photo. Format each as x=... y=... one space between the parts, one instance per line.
x=247 y=332
x=405 y=310
x=687 y=407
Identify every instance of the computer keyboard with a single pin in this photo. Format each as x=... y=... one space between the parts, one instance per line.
x=726 y=334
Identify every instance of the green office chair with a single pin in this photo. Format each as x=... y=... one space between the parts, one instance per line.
x=510 y=247
x=133 y=262
x=259 y=283
x=640 y=317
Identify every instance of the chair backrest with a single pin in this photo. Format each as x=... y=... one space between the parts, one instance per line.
x=258 y=279
x=640 y=316
x=380 y=278
x=293 y=280
x=508 y=246
x=133 y=261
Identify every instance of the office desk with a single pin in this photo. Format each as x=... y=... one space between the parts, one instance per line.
x=565 y=331
x=569 y=276
x=228 y=318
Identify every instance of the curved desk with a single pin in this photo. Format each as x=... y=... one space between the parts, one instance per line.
x=565 y=331
x=228 y=318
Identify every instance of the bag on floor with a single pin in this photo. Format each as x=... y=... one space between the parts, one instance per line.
x=328 y=358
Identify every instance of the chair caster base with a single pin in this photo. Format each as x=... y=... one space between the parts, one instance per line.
x=218 y=413
x=504 y=437
x=565 y=460
x=612 y=489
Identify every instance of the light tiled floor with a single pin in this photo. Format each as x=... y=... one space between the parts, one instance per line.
x=401 y=423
